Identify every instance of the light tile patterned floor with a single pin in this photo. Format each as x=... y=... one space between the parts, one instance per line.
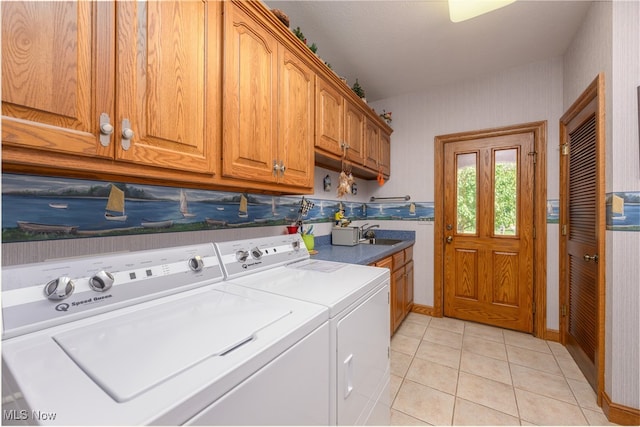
x=451 y=372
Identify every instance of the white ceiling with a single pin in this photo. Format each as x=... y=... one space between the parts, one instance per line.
x=398 y=46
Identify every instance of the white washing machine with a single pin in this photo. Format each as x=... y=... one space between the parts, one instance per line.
x=357 y=298
x=155 y=337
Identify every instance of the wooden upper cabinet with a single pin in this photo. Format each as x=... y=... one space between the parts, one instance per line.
x=385 y=153
x=57 y=75
x=268 y=109
x=62 y=86
x=296 y=120
x=372 y=145
x=168 y=80
x=354 y=133
x=249 y=106
x=329 y=118
x=377 y=149
x=340 y=122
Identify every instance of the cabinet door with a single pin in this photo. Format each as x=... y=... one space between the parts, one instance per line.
x=296 y=120
x=371 y=145
x=399 y=304
x=408 y=286
x=251 y=56
x=329 y=118
x=168 y=80
x=57 y=75
x=354 y=133
x=385 y=153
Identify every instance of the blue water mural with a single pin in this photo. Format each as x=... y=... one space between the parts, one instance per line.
x=628 y=217
x=45 y=208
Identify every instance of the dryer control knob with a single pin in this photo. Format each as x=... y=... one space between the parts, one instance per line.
x=242 y=256
x=102 y=281
x=256 y=253
x=296 y=245
x=196 y=263
x=59 y=288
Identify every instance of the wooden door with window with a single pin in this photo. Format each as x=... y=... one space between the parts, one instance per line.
x=582 y=211
x=488 y=230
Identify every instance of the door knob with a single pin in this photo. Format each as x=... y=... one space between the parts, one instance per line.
x=593 y=258
x=449 y=239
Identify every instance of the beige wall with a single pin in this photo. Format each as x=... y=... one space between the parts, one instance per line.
x=609 y=41
x=532 y=92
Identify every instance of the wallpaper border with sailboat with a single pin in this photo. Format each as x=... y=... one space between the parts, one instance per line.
x=45 y=208
x=622 y=211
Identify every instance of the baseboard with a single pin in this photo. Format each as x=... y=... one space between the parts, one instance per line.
x=422 y=309
x=552 y=335
x=620 y=414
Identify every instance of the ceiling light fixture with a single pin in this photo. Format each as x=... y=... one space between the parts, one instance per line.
x=461 y=10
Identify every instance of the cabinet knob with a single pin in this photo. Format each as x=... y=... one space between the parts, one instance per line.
x=282 y=168
x=127 y=134
x=106 y=129
x=276 y=168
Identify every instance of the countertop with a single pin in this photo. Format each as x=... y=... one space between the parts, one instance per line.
x=363 y=253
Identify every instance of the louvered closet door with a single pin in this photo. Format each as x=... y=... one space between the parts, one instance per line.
x=582 y=246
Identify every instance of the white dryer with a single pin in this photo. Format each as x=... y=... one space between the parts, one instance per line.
x=357 y=298
x=154 y=337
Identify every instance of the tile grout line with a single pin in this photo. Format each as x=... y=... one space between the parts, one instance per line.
x=513 y=385
x=573 y=393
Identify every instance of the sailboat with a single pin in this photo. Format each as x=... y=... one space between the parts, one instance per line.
x=412 y=209
x=242 y=210
x=115 y=204
x=184 y=209
x=617 y=207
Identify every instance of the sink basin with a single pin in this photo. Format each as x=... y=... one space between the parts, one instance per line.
x=387 y=242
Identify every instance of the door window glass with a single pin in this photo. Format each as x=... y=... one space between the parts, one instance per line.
x=505 y=192
x=466 y=193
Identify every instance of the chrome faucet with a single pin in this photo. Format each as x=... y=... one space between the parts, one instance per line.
x=366 y=233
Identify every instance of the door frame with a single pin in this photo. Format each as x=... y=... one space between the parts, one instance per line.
x=594 y=92
x=539 y=130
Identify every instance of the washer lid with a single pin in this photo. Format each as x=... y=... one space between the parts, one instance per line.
x=135 y=352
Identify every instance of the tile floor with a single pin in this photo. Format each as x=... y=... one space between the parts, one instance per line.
x=451 y=372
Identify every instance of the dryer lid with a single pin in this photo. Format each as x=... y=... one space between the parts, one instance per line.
x=132 y=353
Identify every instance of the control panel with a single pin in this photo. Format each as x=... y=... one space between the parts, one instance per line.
x=241 y=257
x=40 y=295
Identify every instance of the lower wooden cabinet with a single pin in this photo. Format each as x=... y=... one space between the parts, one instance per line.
x=401 y=288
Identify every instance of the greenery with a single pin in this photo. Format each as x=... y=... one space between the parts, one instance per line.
x=506 y=189
x=298 y=33
x=466 y=200
x=505 y=203
x=358 y=89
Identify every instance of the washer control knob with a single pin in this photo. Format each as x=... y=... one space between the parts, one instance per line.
x=296 y=245
x=59 y=288
x=256 y=253
x=196 y=263
x=242 y=256
x=102 y=281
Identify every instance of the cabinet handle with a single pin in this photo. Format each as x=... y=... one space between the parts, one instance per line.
x=276 y=168
x=282 y=168
x=106 y=129
x=127 y=134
